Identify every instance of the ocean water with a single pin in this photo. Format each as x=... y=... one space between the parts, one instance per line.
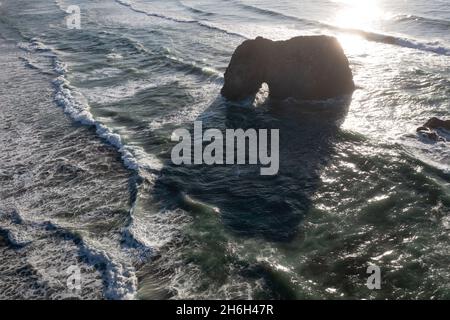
x=86 y=119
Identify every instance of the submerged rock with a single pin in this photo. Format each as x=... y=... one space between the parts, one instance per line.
x=428 y=130
x=307 y=67
x=429 y=134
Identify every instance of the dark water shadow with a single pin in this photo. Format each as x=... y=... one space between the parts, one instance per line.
x=252 y=205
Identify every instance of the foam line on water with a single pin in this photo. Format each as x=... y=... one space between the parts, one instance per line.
x=120 y=278
x=132 y=6
x=121 y=282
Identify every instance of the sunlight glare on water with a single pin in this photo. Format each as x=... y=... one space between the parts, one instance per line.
x=356 y=15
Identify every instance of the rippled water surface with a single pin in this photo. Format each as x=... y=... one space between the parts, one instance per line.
x=95 y=187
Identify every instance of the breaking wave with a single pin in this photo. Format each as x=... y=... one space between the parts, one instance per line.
x=120 y=278
x=205 y=24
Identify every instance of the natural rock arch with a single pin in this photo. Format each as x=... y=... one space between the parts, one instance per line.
x=308 y=67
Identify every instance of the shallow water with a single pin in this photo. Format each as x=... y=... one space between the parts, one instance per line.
x=356 y=186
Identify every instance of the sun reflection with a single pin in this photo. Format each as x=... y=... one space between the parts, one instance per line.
x=357 y=14
x=354 y=18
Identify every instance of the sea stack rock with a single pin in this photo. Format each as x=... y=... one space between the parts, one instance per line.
x=307 y=67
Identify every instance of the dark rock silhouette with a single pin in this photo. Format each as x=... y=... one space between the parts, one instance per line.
x=435 y=123
x=308 y=67
x=428 y=129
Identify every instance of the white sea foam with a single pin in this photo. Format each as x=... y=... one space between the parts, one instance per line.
x=430 y=47
x=432 y=153
x=121 y=282
x=102 y=95
x=33 y=45
x=114 y=56
x=205 y=97
x=119 y=274
x=98 y=74
x=74 y=104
